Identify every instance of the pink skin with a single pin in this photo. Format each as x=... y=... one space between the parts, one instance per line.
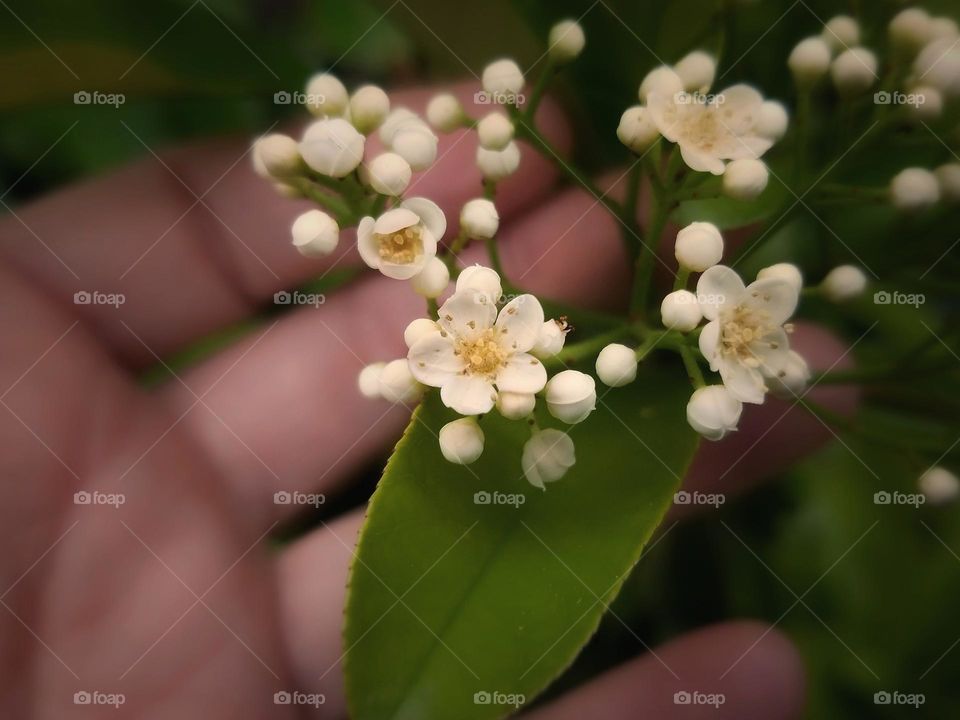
x=277 y=410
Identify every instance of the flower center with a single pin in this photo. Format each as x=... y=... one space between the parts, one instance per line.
x=401 y=247
x=740 y=332
x=483 y=356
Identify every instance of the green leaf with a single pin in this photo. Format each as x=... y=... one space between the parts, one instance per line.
x=450 y=597
x=727 y=213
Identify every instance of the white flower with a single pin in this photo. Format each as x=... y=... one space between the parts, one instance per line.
x=315 y=234
x=783 y=271
x=939 y=485
x=699 y=246
x=495 y=165
x=844 y=282
x=550 y=339
x=841 y=32
x=332 y=147
x=445 y=112
x=389 y=174
x=419 y=329
x=854 y=71
x=502 y=77
x=326 y=95
x=566 y=41
x=461 y=441
x=433 y=279
x=661 y=80
x=400 y=242
x=369 y=106
x=415 y=143
x=547 y=456
x=397 y=119
x=680 y=310
x=494 y=131
x=636 y=130
x=480 y=280
x=746 y=336
x=480 y=353
x=792 y=379
x=929 y=103
x=697 y=71
x=368 y=381
x=773 y=120
x=809 y=60
x=948 y=176
x=571 y=396
x=910 y=29
x=713 y=412
x=914 y=189
x=617 y=365
x=710 y=132
x=397 y=383
x=938 y=64
x=943 y=28
x=479 y=219
x=277 y=155
x=745 y=179
x=515 y=406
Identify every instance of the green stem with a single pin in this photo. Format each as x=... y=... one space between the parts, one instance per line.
x=683 y=275
x=643 y=273
x=631 y=223
x=586 y=348
x=536 y=95
x=344 y=212
x=692 y=367
x=494 y=253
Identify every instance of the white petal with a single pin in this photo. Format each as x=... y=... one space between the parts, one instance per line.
x=404 y=271
x=740 y=109
x=469 y=395
x=429 y=242
x=396 y=219
x=777 y=298
x=701 y=161
x=773 y=352
x=430 y=215
x=366 y=245
x=718 y=286
x=432 y=360
x=744 y=383
x=467 y=314
x=523 y=373
x=519 y=323
x=709 y=342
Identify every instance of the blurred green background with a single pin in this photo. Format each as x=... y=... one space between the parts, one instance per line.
x=878 y=586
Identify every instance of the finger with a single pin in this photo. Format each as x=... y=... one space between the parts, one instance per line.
x=194 y=240
x=743 y=669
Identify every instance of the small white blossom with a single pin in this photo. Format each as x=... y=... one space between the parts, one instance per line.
x=714 y=412
x=400 y=242
x=397 y=119
x=745 y=179
x=419 y=329
x=914 y=189
x=461 y=441
x=495 y=165
x=791 y=379
x=332 y=147
x=369 y=106
x=844 y=282
x=416 y=143
x=636 y=129
x=494 y=131
x=662 y=81
x=854 y=71
x=550 y=339
x=699 y=246
x=480 y=280
x=388 y=174
x=809 y=60
x=939 y=485
x=617 y=365
x=445 y=112
x=948 y=176
x=397 y=383
x=773 y=120
x=479 y=219
x=433 y=279
x=910 y=29
x=515 y=406
x=502 y=77
x=929 y=103
x=746 y=336
x=368 y=380
x=680 y=310
x=938 y=64
x=571 y=396
x=326 y=95
x=841 y=32
x=547 y=456
x=783 y=271
x=944 y=28
x=315 y=234
x=566 y=41
x=479 y=353
x=697 y=71
x=278 y=156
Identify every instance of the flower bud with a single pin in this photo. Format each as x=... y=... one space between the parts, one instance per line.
x=809 y=60
x=617 y=365
x=315 y=234
x=697 y=71
x=369 y=106
x=914 y=189
x=433 y=279
x=841 y=32
x=461 y=441
x=479 y=219
x=773 y=120
x=388 y=174
x=445 y=113
x=326 y=95
x=910 y=30
x=844 y=283
x=745 y=179
x=571 y=396
x=566 y=41
x=416 y=144
x=854 y=71
x=661 y=80
x=547 y=456
x=494 y=131
x=792 y=379
x=938 y=65
x=680 y=310
x=278 y=156
x=948 y=177
x=929 y=103
x=419 y=329
x=713 y=412
x=332 y=147
x=550 y=339
x=397 y=384
x=944 y=28
x=699 y=246
x=495 y=165
x=288 y=191
x=368 y=381
x=939 y=485
x=515 y=406
x=788 y=272
x=636 y=130
x=480 y=280
x=397 y=119
x=502 y=77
